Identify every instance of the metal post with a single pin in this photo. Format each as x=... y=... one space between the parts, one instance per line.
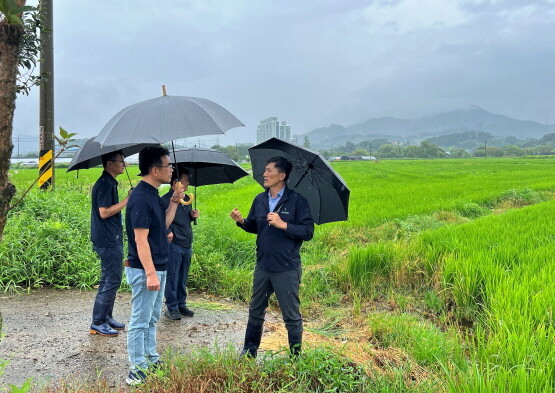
x=46 y=153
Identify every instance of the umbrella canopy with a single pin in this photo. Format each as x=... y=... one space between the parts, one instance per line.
x=207 y=166
x=311 y=176
x=90 y=154
x=166 y=118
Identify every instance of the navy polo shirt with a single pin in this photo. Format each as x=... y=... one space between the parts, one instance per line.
x=105 y=232
x=145 y=210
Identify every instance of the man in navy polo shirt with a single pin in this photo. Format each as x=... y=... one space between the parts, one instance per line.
x=107 y=239
x=282 y=220
x=146 y=223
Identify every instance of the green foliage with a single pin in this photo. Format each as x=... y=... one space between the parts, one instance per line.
x=423 y=342
x=219 y=370
x=46 y=243
x=366 y=266
x=496 y=272
x=470 y=210
x=11 y=11
x=519 y=198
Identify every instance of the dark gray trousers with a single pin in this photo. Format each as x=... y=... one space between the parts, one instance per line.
x=286 y=287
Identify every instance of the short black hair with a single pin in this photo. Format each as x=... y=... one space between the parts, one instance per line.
x=282 y=164
x=110 y=156
x=182 y=171
x=150 y=157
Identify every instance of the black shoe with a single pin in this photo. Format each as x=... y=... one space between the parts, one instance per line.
x=184 y=311
x=103 y=329
x=172 y=314
x=136 y=377
x=248 y=353
x=115 y=324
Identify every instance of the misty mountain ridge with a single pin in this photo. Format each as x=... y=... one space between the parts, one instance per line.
x=471 y=118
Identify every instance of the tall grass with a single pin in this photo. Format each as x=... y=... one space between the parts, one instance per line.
x=497 y=272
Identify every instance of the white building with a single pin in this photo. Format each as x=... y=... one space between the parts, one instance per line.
x=272 y=127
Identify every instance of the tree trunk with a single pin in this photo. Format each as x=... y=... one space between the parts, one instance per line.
x=10 y=43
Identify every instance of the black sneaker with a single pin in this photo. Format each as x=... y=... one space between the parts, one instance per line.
x=135 y=378
x=172 y=314
x=184 y=311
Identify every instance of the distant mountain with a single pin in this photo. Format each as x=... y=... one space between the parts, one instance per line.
x=471 y=118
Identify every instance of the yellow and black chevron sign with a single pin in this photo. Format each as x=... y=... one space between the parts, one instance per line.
x=45 y=168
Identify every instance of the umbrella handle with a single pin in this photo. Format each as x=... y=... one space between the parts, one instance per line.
x=195 y=219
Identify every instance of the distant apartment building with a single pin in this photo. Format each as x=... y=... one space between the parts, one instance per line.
x=272 y=127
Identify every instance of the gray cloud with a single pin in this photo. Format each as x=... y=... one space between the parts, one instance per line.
x=310 y=63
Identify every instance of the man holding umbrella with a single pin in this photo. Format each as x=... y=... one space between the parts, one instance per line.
x=282 y=220
x=180 y=252
x=107 y=239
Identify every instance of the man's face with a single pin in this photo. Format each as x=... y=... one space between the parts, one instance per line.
x=272 y=175
x=184 y=179
x=165 y=170
x=117 y=164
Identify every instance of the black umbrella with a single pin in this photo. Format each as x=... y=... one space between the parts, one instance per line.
x=312 y=177
x=207 y=166
x=90 y=154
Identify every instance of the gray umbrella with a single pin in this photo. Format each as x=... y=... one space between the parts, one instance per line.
x=165 y=119
x=312 y=177
x=208 y=166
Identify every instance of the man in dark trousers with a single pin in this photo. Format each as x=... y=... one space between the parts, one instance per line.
x=147 y=222
x=180 y=253
x=282 y=220
x=107 y=239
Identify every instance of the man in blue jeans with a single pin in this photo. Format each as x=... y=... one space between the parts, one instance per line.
x=180 y=253
x=147 y=222
x=107 y=239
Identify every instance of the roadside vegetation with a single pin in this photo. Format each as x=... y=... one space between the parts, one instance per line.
x=439 y=281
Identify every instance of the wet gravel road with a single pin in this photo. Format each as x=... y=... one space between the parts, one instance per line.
x=46 y=335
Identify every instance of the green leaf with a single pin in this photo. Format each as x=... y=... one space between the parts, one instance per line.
x=60 y=141
x=25 y=8
x=71 y=135
x=63 y=133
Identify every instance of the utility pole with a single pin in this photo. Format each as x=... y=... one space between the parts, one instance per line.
x=18 y=146
x=485 y=148
x=46 y=126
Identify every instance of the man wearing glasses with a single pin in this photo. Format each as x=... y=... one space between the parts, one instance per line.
x=107 y=240
x=147 y=221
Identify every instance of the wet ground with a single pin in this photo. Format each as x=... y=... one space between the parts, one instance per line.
x=46 y=335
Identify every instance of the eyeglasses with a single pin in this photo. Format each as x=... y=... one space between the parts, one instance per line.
x=122 y=161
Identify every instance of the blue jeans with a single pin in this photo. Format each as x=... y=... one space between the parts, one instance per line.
x=110 y=280
x=176 y=283
x=145 y=313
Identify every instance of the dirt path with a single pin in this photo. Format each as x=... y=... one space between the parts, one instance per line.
x=46 y=335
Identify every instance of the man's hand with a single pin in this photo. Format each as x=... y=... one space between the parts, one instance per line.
x=236 y=216
x=170 y=237
x=178 y=194
x=275 y=220
x=195 y=213
x=152 y=282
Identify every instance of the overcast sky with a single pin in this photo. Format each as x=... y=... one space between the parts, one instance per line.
x=310 y=63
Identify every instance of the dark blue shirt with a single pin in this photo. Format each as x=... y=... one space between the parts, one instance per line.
x=181 y=225
x=105 y=232
x=146 y=211
x=278 y=250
